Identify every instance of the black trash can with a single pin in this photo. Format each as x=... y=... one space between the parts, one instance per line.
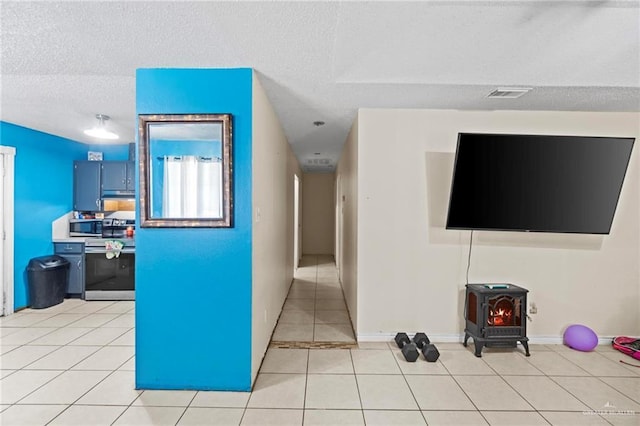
x=48 y=277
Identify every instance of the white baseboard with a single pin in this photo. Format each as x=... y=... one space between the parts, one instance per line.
x=458 y=338
x=435 y=338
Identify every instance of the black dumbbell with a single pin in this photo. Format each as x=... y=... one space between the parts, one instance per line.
x=428 y=349
x=409 y=349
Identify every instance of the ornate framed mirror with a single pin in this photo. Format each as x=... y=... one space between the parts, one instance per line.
x=185 y=170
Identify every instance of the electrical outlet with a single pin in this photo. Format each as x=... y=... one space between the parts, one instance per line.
x=533 y=309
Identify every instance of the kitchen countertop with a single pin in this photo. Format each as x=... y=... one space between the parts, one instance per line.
x=70 y=240
x=128 y=242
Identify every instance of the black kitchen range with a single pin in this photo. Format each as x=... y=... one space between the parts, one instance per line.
x=110 y=262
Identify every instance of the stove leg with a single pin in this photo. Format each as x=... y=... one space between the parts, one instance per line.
x=525 y=344
x=478 y=346
x=466 y=337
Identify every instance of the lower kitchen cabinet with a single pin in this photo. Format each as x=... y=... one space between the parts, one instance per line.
x=74 y=253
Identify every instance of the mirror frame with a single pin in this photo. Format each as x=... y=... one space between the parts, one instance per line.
x=146 y=220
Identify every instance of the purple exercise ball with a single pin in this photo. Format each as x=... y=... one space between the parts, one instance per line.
x=580 y=337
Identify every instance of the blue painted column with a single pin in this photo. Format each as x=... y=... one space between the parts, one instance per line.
x=193 y=285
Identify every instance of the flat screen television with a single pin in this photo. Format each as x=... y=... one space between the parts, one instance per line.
x=567 y=184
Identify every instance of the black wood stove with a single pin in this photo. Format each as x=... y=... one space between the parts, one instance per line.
x=496 y=316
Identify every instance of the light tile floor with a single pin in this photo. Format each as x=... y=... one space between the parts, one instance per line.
x=58 y=370
x=315 y=310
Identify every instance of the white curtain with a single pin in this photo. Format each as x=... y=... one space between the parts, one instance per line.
x=192 y=187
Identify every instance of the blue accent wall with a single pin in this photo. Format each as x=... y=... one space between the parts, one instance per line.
x=193 y=285
x=43 y=192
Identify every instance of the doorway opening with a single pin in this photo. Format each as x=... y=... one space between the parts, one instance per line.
x=7 y=157
x=297 y=230
x=338 y=227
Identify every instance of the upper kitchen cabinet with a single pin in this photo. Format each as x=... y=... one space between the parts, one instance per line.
x=131 y=176
x=86 y=186
x=118 y=177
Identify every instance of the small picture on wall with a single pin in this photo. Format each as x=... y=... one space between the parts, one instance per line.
x=94 y=156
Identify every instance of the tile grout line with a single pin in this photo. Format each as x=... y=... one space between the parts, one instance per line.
x=53 y=329
x=306 y=385
x=68 y=344
x=246 y=404
x=75 y=403
x=495 y=373
x=315 y=300
x=58 y=328
x=543 y=374
x=540 y=412
x=465 y=393
x=184 y=411
x=80 y=370
x=128 y=406
x=514 y=389
x=575 y=396
x=62 y=371
x=108 y=375
x=55 y=377
x=355 y=376
x=407 y=382
x=583 y=369
x=567 y=390
x=35 y=360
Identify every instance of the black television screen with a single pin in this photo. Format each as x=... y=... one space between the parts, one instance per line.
x=537 y=183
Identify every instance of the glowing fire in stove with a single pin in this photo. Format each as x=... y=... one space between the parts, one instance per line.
x=500 y=316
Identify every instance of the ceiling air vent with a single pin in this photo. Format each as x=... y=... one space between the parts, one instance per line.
x=318 y=165
x=318 y=161
x=509 y=92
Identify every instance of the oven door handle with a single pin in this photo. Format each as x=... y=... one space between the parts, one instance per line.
x=100 y=250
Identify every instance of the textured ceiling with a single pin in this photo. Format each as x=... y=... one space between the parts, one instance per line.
x=63 y=62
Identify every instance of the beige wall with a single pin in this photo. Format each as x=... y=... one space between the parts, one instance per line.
x=407 y=259
x=347 y=222
x=273 y=167
x=318 y=213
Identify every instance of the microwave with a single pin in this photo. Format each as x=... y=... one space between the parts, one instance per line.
x=85 y=227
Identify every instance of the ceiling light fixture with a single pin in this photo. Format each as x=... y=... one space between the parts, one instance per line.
x=318 y=123
x=100 y=131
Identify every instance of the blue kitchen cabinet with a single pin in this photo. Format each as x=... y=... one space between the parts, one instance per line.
x=118 y=176
x=131 y=176
x=86 y=186
x=74 y=253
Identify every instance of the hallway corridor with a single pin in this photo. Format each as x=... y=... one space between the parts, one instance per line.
x=315 y=313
